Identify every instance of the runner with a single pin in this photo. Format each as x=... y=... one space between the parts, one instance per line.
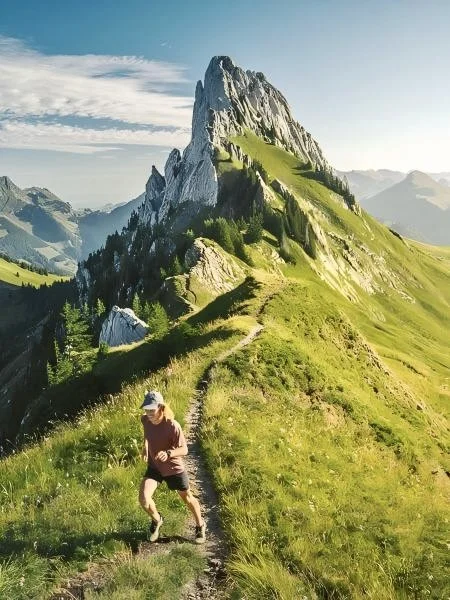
x=164 y=447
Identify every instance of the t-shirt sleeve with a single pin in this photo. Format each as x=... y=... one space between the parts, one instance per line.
x=178 y=438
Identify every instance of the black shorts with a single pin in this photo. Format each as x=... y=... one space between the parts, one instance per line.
x=179 y=481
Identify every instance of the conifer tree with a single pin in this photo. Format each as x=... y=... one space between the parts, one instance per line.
x=100 y=308
x=77 y=337
x=255 y=228
x=157 y=319
x=136 y=305
x=176 y=268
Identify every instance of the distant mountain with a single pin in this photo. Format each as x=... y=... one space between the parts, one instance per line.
x=443 y=178
x=37 y=226
x=418 y=207
x=95 y=226
x=40 y=228
x=365 y=184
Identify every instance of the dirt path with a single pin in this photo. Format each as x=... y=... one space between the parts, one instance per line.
x=210 y=586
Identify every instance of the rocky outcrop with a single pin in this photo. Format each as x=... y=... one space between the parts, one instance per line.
x=83 y=281
x=154 y=193
x=212 y=269
x=122 y=326
x=229 y=102
x=211 y=272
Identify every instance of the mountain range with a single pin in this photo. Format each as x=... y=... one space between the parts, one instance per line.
x=415 y=204
x=417 y=207
x=38 y=227
x=367 y=183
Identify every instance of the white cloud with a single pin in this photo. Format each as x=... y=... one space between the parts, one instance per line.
x=65 y=138
x=124 y=88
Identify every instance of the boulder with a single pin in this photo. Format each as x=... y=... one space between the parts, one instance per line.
x=122 y=326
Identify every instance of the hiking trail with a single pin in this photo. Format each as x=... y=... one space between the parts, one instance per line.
x=211 y=584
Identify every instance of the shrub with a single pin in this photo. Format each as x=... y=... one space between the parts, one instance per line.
x=103 y=350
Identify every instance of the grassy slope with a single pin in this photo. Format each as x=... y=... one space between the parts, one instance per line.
x=72 y=498
x=348 y=472
x=9 y=270
x=331 y=480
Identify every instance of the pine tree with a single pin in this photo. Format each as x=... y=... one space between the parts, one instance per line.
x=176 y=268
x=157 y=319
x=255 y=228
x=146 y=312
x=100 y=308
x=63 y=368
x=77 y=337
x=136 y=305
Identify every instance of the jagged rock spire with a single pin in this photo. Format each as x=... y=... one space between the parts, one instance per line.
x=229 y=101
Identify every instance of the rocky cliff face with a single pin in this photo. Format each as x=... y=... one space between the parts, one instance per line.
x=229 y=102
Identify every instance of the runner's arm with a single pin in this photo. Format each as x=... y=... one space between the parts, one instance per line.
x=144 y=453
x=180 y=451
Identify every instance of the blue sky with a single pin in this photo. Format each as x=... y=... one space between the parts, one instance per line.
x=93 y=93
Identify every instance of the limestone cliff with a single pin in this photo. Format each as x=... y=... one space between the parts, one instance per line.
x=229 y=102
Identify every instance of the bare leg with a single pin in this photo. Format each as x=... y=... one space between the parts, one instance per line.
x=193 y=504
x=148 y=486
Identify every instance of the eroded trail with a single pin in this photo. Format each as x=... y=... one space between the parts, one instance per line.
x=211 y=584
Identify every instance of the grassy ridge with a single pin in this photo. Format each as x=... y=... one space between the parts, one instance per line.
x=9 y=271
x=339 y=461
x=326 y=436
x=72 y=498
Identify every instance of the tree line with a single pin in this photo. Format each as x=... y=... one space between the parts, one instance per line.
x=24 y=265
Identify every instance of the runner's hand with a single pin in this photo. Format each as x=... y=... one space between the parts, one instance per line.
x=162 y=456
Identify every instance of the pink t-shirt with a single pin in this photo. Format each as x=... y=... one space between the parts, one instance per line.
x=167 y=435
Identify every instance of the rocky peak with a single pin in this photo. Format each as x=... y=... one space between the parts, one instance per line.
x=7 y=185
x=229 y=101
x=11 y=196
x=233 y=100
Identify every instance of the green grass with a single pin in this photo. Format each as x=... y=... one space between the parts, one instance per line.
x=327 y=437
x=15 y=275
x=159 y=576
x=339 y=462
x=71 y=498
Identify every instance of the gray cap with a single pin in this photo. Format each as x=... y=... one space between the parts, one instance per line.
x=152 y=400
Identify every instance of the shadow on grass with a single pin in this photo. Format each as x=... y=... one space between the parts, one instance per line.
x=78 y=547
x=64 y=402
x=227 y=304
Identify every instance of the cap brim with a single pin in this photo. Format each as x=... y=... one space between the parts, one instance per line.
x=152 y=406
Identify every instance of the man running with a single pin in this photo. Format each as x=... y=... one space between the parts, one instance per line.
x=164 y=446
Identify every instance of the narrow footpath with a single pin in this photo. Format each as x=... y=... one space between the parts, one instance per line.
x=211 y=584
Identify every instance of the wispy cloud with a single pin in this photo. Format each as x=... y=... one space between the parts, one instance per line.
x=127 y=89
x=65 y=138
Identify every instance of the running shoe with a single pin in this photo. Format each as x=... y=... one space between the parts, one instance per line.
x=200 y=533
x=153 y=530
